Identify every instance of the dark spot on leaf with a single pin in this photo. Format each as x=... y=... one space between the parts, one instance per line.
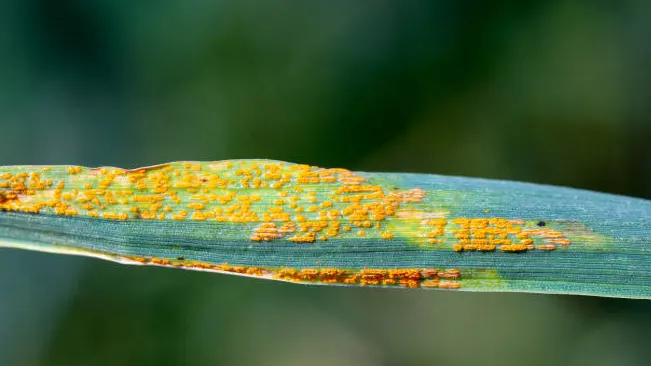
x=541 y=223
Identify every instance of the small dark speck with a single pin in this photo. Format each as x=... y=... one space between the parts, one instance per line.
x=180 y=258
x=541 y=223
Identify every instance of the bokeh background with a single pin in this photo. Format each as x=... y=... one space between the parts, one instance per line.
x=554 y=92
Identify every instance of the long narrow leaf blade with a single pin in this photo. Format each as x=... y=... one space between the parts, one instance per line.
x=299 y=223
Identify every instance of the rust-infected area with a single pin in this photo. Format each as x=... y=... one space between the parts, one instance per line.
x=299 y=203
x=8 y=196
x=413 y=278
x=489 y=234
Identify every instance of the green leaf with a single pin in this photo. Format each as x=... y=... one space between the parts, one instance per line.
x=299 y=223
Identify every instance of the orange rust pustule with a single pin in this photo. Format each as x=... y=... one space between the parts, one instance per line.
x=299 y=203
x=365 y=277
x=490 y=234
x=6 y=196
x=412 y=278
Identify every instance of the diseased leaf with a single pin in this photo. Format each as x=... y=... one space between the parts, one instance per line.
x=299 y=223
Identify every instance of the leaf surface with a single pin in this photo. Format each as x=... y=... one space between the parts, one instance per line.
x=305 y=224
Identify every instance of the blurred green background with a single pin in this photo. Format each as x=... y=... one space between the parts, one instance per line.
x=553 y=92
